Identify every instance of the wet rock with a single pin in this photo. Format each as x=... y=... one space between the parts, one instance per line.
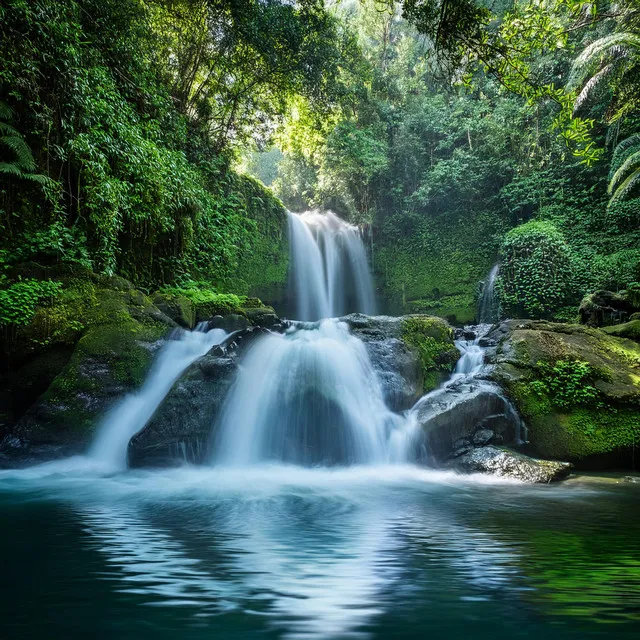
x=505 y=463
x=482 y=437
x=450 y=416
x=411 y=354
x=231 y=322
x=181 y=427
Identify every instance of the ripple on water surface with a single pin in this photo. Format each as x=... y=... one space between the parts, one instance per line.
x=371 y=552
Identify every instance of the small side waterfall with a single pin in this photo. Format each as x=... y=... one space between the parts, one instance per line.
x=488 y=311
x=329 y=267
x=136 y=409
x=309 y=397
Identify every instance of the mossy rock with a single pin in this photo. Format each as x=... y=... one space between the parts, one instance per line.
x=432 y=340
x=112 y=334
x=630 y=330
x=190 y=305
x=606 y=308
x=179 y=308
x=578 y=389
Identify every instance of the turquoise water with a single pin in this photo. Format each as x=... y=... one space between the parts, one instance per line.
x=284 y=552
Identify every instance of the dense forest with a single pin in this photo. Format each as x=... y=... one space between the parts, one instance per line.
x=320 y=319
x=156 y=145
x=459 y=136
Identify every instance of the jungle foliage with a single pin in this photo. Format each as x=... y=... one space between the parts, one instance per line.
x=463 y=120
x=119 y=120
x=458 y=131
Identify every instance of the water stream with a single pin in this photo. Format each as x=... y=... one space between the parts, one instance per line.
x=133 y=412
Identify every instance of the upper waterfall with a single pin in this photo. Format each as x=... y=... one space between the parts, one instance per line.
x=329 y=267
x=488 y=311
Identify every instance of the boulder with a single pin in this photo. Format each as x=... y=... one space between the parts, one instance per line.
x=461 y=415
x=604 y=308
x=411 y=354
x=576 y=387
x=504 y=463
x=102 y=336
x=182 y=426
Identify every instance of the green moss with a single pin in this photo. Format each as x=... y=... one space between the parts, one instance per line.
x=436 y=264
x=630 y=330
x=263 y=263
x=204 y=302
x=566 y=427
x=432 y=339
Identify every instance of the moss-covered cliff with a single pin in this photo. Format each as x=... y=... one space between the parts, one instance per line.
x=437 y=268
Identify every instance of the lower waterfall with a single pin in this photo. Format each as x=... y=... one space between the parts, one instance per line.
x=307 y=397
x=135 y=410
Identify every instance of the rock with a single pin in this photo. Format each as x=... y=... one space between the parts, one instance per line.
x=102 y=337
x=181 y=427
x=482 y=437
x=577 y=388
x=179 y=308
x=231 y=322
x=410 y=354
x=505 y=463
x=464 y=333
x=449 y=418
x=604 y=308
x=630 y=330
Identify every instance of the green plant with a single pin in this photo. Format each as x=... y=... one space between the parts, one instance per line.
x=17 y=161
x=568 y=383
x=18 y=301
x=537 y=273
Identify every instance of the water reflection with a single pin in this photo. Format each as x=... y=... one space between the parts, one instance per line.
x=373 y=553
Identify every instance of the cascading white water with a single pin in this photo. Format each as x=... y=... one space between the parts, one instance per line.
x=309 y=396
x=136 y=409
x=329 y=267
x=471 y=357
x=488 y=311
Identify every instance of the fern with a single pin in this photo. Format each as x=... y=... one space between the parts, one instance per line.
x=21 y=164
x=625 y=168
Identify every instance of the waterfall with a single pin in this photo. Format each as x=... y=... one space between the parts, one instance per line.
x=133 y=412
x=309 y=396
x=329 y=267
x=488 y=311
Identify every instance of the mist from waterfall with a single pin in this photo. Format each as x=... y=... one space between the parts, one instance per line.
x=330 y=273
x=133 y=412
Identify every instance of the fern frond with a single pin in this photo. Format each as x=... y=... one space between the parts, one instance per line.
x=7 y=130
x=632 y=181
x=591 y=84
x=631 y=164
x=39 y=178
x=622 y=150
x=6 y=112
x=11 y=169
x=616 y=44
x=23 y=154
